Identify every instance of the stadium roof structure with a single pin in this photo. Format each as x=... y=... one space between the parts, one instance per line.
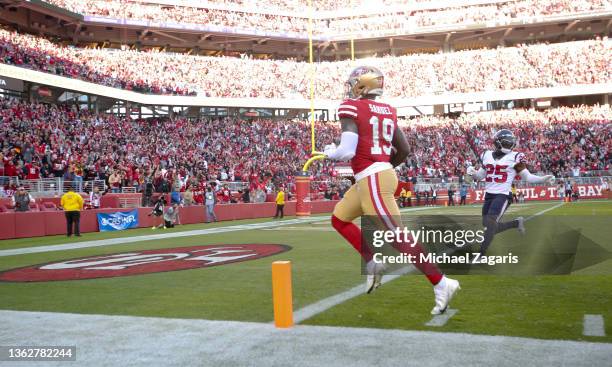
x=39 y=17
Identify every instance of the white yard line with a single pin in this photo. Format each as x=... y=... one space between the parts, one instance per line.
x=544 y=211
x=593 y=325
x=441 y=320
x=146 y=341
x=159 y=236
x=329 y=302
x=300 y=229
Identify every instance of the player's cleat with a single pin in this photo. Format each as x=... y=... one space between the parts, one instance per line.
x=444 y=292
x=374 y=278
x=154 y=227
x=521 y=225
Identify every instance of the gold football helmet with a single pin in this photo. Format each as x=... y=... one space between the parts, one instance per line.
x=365 y=80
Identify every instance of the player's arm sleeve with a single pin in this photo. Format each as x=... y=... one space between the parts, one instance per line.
x=480 y=174
x=347 y=148
x=531 y=178
x=521 y=169
x=348 y=142
x=347 y=113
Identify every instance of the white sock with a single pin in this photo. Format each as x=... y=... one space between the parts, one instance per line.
x=441 y=283
x=370 y=266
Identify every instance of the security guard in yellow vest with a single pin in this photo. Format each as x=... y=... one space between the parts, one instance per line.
x=280 y=203
x=72 y=204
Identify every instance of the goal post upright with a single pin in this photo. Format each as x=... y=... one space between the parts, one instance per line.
x=302 y=178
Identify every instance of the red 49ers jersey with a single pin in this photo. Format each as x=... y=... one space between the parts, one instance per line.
x=376 y=123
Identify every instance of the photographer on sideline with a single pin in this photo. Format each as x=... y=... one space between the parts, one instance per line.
x=171 y=217
x=158 y=212
x=210 y=200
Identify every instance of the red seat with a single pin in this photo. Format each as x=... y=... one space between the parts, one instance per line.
x=48 y=207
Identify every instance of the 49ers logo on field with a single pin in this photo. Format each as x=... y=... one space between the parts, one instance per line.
x=142 y=262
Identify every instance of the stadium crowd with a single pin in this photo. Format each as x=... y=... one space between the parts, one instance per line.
x=380 y=18
x=298 y=5
x=40 y=140
x=581 y=62
x=563 y=141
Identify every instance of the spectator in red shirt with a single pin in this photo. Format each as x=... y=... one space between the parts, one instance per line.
x=33 y=171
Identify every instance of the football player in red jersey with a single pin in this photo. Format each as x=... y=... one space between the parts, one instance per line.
x=374 y=144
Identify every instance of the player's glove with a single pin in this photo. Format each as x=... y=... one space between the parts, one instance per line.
x=549 y=179
x=471 y=170
x=329 y=149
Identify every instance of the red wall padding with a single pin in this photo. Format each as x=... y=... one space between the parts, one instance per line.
x=7 y=225
x=30 y=224
x=34 y=224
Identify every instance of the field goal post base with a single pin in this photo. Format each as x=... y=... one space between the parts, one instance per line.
x=302 y=187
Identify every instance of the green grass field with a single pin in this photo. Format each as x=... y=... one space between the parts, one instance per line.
x=542 y=306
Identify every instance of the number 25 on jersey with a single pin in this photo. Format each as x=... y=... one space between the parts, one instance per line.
x=496 y=173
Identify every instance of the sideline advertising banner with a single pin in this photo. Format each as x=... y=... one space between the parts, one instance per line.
x=117 y=221
x=585 y=191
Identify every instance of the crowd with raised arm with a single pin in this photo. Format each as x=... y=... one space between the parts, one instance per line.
x=39 y=141
x=163 y=155
x=563 y=141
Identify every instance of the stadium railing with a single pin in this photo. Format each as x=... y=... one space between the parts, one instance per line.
x=233 y=185
x=588 y=178
x=52 y=186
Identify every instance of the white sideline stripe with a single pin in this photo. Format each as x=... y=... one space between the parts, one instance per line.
x=199 y=232
x=103 y=340
x=124 y=240
x=309 y=229
x=593 y=325
x=442 y=319
x=544 y=211
x=325 y=304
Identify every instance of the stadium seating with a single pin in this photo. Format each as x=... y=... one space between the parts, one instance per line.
x=525 y=66
x=62 y=141
x=557 y=141
x=380 y=19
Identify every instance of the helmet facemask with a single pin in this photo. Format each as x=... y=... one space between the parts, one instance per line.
x=505 y=141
